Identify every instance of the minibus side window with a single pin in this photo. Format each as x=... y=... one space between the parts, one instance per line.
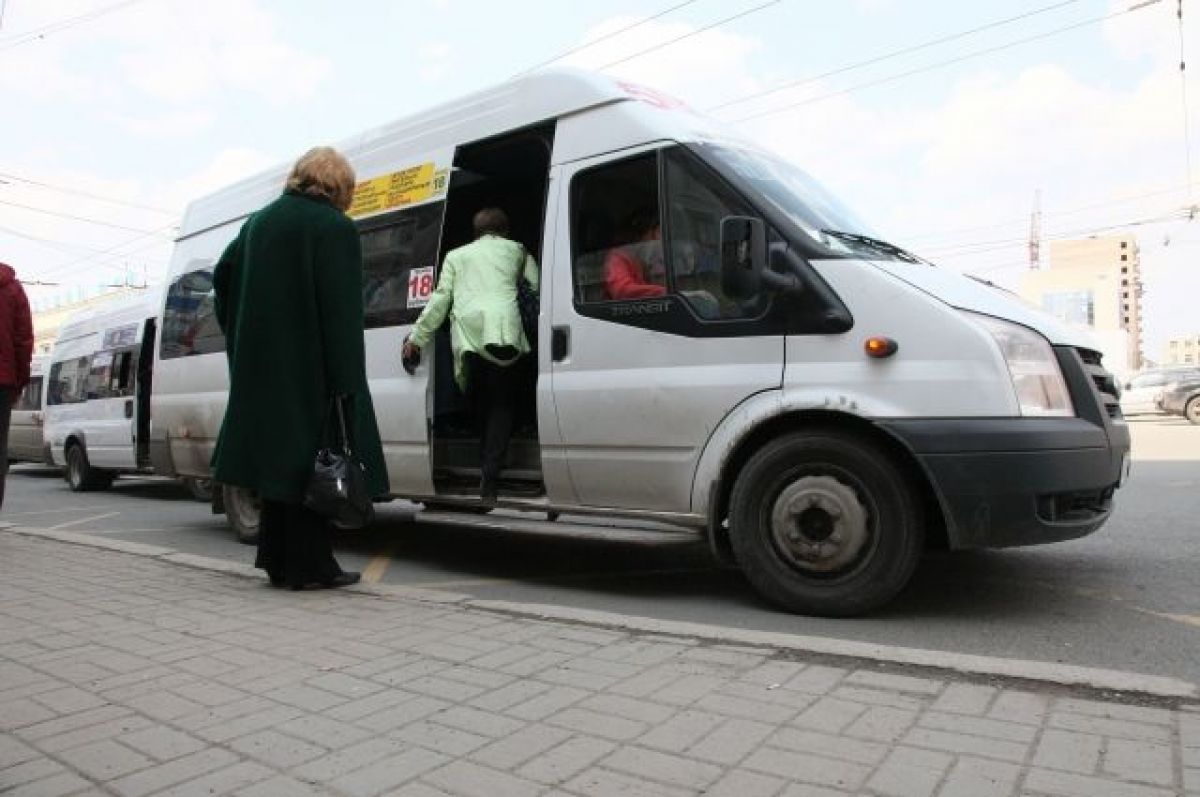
x=399 y=250
x=100 y=376
x=68 y=381
x=31 y=396
x=189 y=318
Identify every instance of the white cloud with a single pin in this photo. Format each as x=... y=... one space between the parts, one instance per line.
x=226 y=167
x=433 y=61
x=169 y=125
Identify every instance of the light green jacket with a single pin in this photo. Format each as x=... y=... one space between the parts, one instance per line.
x=478 y=290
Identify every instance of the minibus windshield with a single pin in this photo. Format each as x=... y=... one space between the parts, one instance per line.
x=806 y=202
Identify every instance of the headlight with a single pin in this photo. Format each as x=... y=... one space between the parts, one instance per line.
x=1036 y=377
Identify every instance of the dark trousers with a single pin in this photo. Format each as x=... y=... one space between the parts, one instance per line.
x=493 y=391
x=6 y=402
x=294 y=545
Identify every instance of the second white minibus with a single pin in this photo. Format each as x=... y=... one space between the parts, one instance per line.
x=25 y=440
x=816 y=401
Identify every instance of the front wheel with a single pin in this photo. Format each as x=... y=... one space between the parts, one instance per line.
x=1192 y=411
x=824 y=522
x=243 y=510
x=80 y=475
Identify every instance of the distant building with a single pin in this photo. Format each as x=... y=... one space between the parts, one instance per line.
x=1182 y=351
x=1097 y=283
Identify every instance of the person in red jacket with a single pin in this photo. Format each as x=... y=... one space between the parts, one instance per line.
x=636 y=270
x=16 y=350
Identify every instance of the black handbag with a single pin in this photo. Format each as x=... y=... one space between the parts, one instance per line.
x=528 y=303
x=337 y=489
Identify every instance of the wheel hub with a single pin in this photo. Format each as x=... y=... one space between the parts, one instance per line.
x=819 y=524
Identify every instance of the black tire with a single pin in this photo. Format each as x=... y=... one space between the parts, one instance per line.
x=825 y=522
x=200 y=489
x=243 y=510
x=1191 y=411
x=80 y=475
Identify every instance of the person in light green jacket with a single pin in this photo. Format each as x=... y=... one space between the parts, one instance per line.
x=477 y=289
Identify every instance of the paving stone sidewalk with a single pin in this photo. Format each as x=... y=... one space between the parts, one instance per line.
x=131 y=676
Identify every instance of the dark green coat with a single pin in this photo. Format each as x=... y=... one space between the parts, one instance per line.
x=289 y=300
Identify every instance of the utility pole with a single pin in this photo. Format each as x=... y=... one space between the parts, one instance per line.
x=1035 y=232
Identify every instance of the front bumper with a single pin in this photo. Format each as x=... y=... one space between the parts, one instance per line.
x=1024 y=481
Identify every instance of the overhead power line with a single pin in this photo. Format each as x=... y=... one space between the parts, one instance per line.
x=82 y=262
x=606 y=37
x=1187 y=135
x=65 y=24
x=696 y=32
x=4 y=176
x=941 y=64
x=894 y=54
x=72 y=217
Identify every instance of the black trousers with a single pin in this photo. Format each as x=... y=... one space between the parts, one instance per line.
x=294 y=545
x=6 y=403
x=493 y=391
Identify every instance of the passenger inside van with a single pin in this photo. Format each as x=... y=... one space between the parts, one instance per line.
x=636 y=269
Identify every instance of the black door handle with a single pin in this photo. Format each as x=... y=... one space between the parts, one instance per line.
x=560 y=343
x=129 y=408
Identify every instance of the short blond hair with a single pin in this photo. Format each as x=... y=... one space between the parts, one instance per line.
x=325 y=173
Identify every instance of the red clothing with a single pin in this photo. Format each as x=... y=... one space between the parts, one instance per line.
x=625 y=277
x=16 y=332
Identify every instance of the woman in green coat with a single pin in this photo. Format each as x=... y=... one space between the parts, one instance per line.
x=289 y=300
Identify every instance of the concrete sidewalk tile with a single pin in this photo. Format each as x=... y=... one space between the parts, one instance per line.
x=349 y=759
x=808 y=768
x=1123 y=729
x=831 y=745
x=785 y=698
x=444 y=739
x=411 y=710
x=603 y=725
x=476 y=676
x=223 y=781
x=740 y=783
x=443 y=689
x=809 y=790
x=1069 y=751
x=484 y=723
x=105 y=760
x=306 y=698
x=372 y=704
x=94 y=733
x=531 y=665
x=977 y=777
x=639 y=651
x=772 y=673
x=509 y=695
x=1065 y=784
x=71 y=722
x=277 y=749
x=385 y=775
x=248 y=724
x=567 y=760
x=647 y=683
x=893 y=682
x=976 y=726
x=163 y=705
x=681 y=731
x=283 y=786
x=14 y=751
x=1017 y=706
x=222 y=714
x=553 y=700
x=830 y=715
x=686 y=690
x=68 y=701
x=732 y=742
x=23 y=712
x=1191 y=755
x=28 y=772
x=162 y=744
x=324 y=732
x=882 y=724
x=972 y=699
x=746 y=709
x=1116 y=711
x=347 y=686
x=596 y=782
x=60 y=785
x=163 y=776
x=1191 y=780
x=876 y=697
x=629 y=708
x=1143 y=762
x=967 y=745
x=566 y=675
x=910 y=773
x=663 y=767
x=521 y=746
x=1189 y=729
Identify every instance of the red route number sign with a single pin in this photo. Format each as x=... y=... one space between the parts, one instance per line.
x=420 y=286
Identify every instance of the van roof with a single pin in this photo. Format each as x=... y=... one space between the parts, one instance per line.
x=520 y=102
x=134 y=308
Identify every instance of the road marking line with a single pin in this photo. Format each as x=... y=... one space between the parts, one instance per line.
x=83 y=520
x=377 y=567
x=50 y=511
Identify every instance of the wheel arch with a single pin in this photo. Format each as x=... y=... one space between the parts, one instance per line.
x=768 y=428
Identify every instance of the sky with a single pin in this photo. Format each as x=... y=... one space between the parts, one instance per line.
x=937 y=121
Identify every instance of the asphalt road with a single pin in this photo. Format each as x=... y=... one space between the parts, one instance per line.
x=1126 y=598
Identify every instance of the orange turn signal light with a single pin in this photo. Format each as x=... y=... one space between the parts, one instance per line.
x=880 y=347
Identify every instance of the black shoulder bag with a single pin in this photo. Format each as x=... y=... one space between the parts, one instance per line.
x=337 y=488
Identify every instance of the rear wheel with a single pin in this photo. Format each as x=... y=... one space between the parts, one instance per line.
x=80 y=475
x=824 y=522
x=1192 y=411
x=243 y=510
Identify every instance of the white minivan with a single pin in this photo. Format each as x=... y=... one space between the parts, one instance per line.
x=818 y=402
x=25 y=440
x=97 y=412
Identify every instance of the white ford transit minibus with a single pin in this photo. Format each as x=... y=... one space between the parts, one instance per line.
x=25 y=440
x=818 y=402
x=98 y=392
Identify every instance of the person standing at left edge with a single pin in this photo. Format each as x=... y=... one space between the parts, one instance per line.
x=289 y=300
x=16 y=351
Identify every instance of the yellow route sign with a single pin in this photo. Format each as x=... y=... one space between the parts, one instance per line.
x=410 y=186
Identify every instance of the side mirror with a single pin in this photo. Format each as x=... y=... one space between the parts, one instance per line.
x=743 y=256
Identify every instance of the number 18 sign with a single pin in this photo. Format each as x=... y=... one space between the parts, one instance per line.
x=420 y=286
